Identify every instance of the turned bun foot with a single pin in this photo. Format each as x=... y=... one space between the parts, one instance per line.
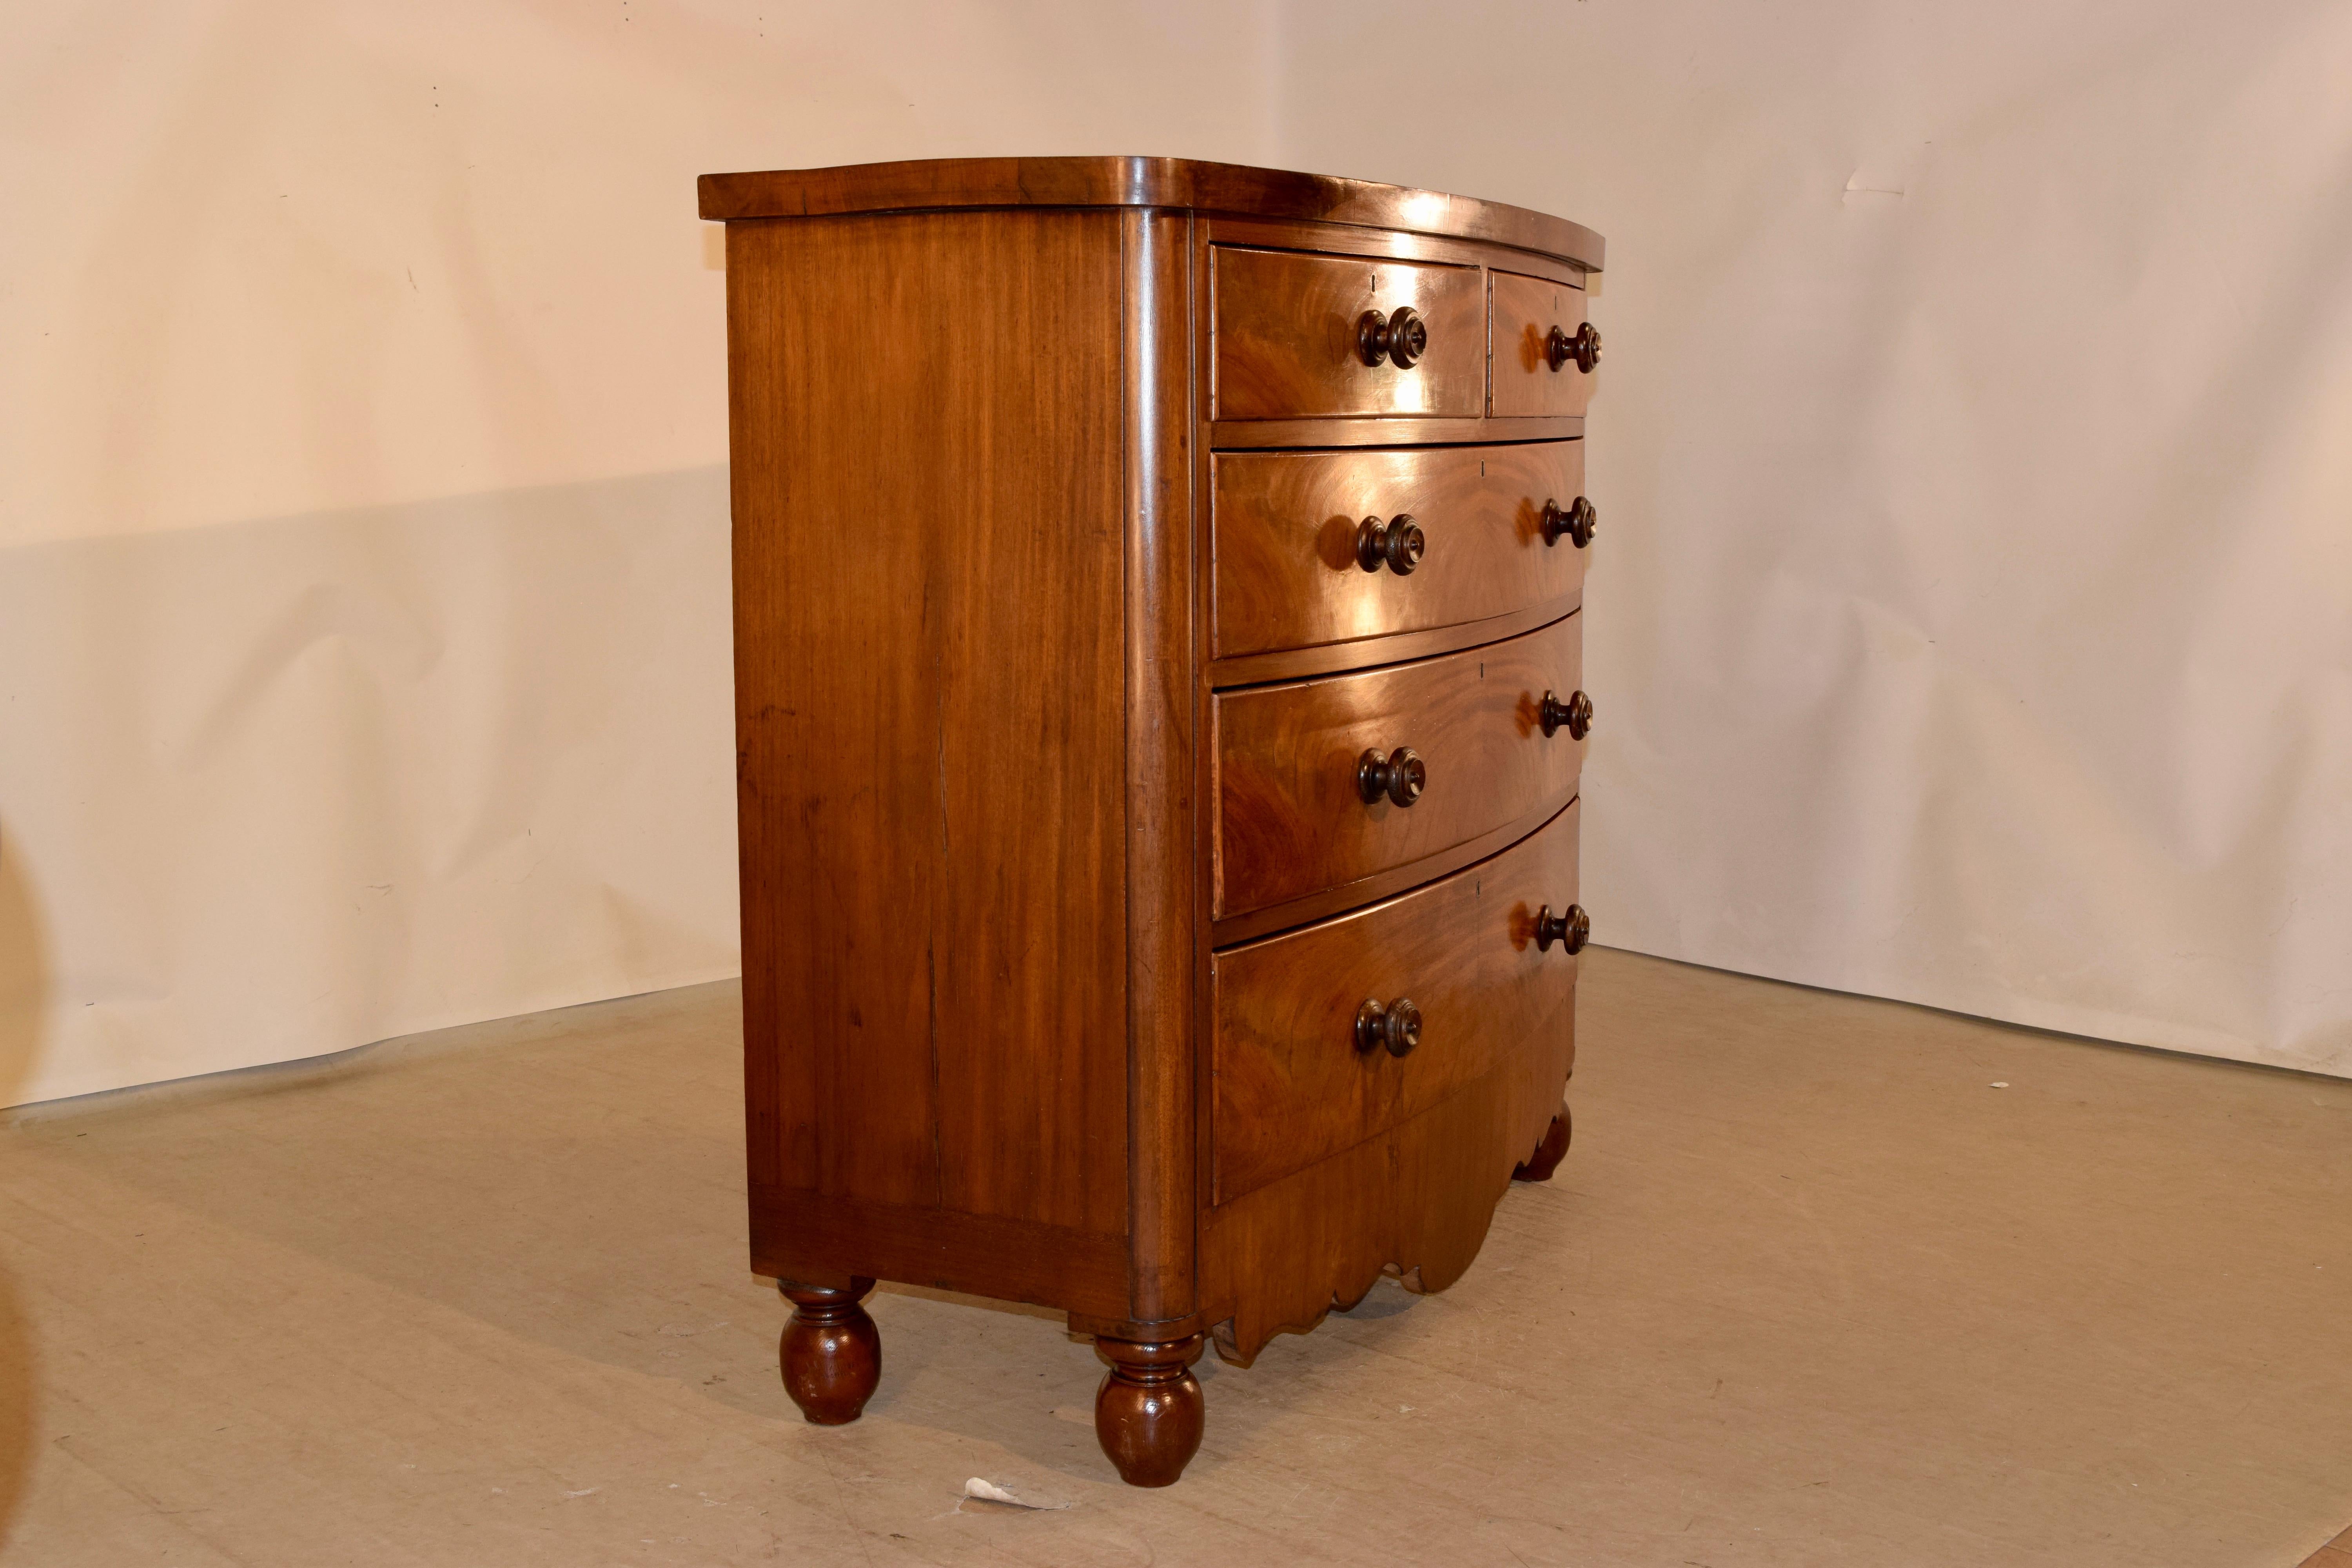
x=1148 y=1412
x=831 y=1354
x=1539 y=1165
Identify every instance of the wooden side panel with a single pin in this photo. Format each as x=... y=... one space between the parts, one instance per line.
x=1525 y=309
x=1292 y=1087
x=1290 y=821
x=1287 y=574
x=1286 y=336
x=930 y=611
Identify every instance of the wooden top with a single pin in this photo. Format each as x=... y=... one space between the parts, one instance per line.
x=930 y=184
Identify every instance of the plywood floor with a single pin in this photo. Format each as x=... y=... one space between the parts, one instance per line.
x=1808 y=1290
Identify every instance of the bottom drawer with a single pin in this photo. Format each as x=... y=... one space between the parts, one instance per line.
x=1294 y=1085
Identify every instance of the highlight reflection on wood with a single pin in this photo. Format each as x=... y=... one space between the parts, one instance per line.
x=1286 y=526
x=1154 y=830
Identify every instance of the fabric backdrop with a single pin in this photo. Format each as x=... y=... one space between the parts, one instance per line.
x=1971 y=621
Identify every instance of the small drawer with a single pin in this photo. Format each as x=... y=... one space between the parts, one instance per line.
x=1296 y=1082
x=1535 y=327
x=1291 y=344
x=1291 y=541
x=1293 y=819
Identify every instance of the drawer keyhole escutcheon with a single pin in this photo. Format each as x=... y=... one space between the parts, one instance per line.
x=1583 y=349
x=1395 y=1029
x=1580 y=521
x=1400 y=775
x=1396 y=544
x=1576 y=713
x=1400 y=338
x=1570 y=929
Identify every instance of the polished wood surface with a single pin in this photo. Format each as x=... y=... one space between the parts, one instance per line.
x=1178 y=182
x=1069 y=762
x=1290 y=664
x=1148 y=1412
x=1539 y=1165
x=1282 y=434
x=1288 y=326
x=1160 y=417
x=831 y=1355
x=1286 y=527
x=1527 y=310
x=916 y=822
x=1292 y=1086
x=1291 y=818
x=1413 y=1201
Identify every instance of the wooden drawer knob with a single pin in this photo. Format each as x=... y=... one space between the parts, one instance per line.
x=1400 y=775
x=1395 y=1029
x=1396 y=544
x=1583 y=349
x=1570 y=929
x=1400 y=338
x=1576 y=713
x=1580 y=521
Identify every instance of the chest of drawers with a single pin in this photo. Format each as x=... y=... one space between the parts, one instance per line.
x=1156 y=592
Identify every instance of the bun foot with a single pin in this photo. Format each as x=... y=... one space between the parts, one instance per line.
x=1148 y=1412
x=1539 y=1165
x=831 y=1355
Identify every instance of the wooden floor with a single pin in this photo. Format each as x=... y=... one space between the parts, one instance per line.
x=1810 y=1289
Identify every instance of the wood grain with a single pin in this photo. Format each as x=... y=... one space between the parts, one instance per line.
x=1285 y=524
x=1282 y=434
x=1292 y=1088
x=1290 y=820
x=1525 y=385
x=801 y=1237
x=945 y=182
x=921 y=813
x=1159 y=420
x=1285 y=337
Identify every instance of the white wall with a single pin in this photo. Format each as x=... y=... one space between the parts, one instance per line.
x=363 y=644
x=1972 y=623
x=1972 y=619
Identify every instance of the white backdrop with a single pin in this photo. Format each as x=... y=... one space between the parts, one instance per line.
x=1971 y=622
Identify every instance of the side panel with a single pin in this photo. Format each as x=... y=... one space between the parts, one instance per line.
x=931 y=730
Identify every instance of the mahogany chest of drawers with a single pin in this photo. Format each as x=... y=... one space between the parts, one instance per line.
x=1158 y=734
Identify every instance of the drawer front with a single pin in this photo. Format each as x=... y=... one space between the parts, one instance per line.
x=1292 y=1085
x=1287 y=343
x=1525 y=312
x=1288 y=536
x=1292 y=818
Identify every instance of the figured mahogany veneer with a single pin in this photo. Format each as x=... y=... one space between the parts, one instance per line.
x=1293 y=1086
x=1291 y=818
x=1290 y=332
x=1285 y=528
x=1532 y=375
x=1087 y=960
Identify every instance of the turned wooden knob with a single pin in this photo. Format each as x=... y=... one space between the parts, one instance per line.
x=1396 y=544
x=1570 y=929
x=1400 y=338
x=1395 y=1029
x=1581 y=350
x=1400 y=775
x=1576 y=713
x=1580 y=521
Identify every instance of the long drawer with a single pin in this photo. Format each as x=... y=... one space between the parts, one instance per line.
x=1312 y=792
x=1300 y=1079
x=1289 y=336
x=1309 y=548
